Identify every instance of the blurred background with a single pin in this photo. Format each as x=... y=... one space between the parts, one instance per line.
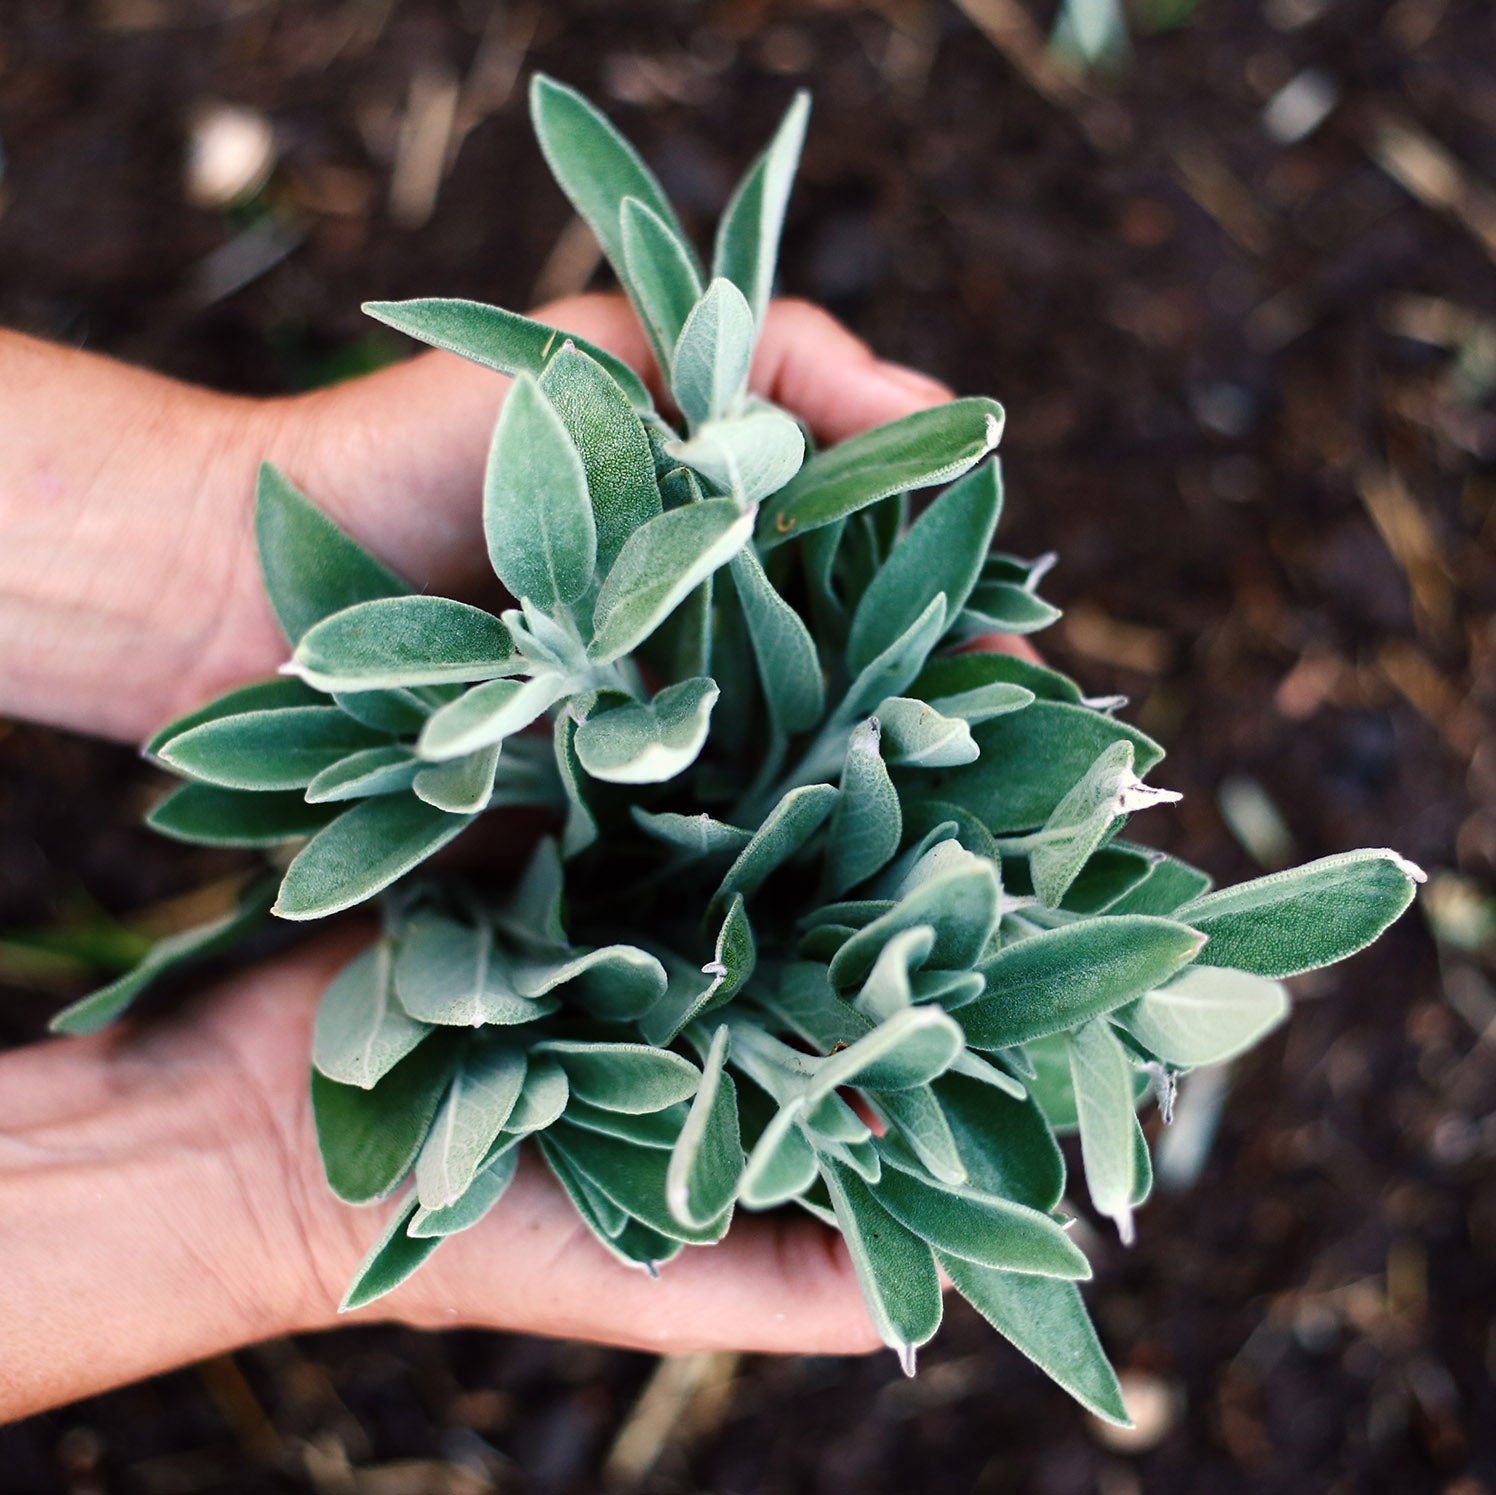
x=1232 y=267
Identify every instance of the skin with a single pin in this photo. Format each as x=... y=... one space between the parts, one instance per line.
x=161 y=1198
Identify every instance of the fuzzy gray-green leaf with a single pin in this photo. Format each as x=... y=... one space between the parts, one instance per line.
x=707 y=1161
x=487 y=714
x=631 y=1077
x=204 y=815
x=785 y=829
x=365 y=773
x=709 y=366
x=660 y=276
x=748 y=456
x=648 y=742
x=362 y=1032
x=393 y=1258
x=452 y=974
x=1102 y=1081
x=268 y=749
x=1205 y=1015
x=485 y=1086
x=866 y=822
x=788 y=666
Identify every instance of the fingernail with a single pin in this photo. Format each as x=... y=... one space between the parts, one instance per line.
x=915 y=382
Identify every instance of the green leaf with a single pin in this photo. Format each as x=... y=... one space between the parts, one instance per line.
x=1029 y=761
x=659 y=1129
x=404 y=641
x=648 y=742
x=918 y=736
x=785 y=829
x=542 y=1100
x=461 y=786
x=1063 y=977
x=1166 y=889
x=264 y=695
x=361 y=775
x=891 y=671
x=617 y=983
x=632 y=1178
x=634 y=1078
x=311 y=568
x=537 y=511
x=594 y=165
x=782 y=1163
x=452 y=974
x=710 y=364
x=268 y=749
x=364 y=850
x=1003 y=607
x=895 y=1268
x=580 y=828
x=909 y=1049
x=485 y=715
x=748 y=235
x=660 y=275
x=931 y=446
x=748 y=456
x=102 y=1007
x=866 y=823
x=886 y=990
x=393 y=1258
x=1005 y=1143
x=1102 y=1080
x=362 y=1032
x=1205 y=1015
x=398 y=712
x=485 y=1086
x=1309 y=917
x=1084 y=818
x=707 y=1162
x=687 y=996
x=1044 y=1319
x=497 y=339
x=943 y=552
x=615 y=452
x=604 y=1218
x=976 y=669
x=981 y=1227
x=369 y=1138
x=1112 y=872
x=207 y=816
x=659 y=566
x=481 y=1195
x=697 y=836
x=788 y=665
x=958 y=900
x=915 y=1118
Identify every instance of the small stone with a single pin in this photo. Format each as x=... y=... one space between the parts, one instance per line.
x=230 y=153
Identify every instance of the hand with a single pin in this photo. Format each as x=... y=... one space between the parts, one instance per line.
x=129 y=587
x=160 y=1191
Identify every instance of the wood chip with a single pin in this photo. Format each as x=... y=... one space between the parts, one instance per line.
x=1422 y=167
x=1406 y=532
x=685 y=1397
x=1212 y=184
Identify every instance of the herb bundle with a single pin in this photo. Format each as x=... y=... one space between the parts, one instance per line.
x=838 y=912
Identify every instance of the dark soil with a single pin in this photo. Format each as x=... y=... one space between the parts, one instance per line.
x=1249 y=387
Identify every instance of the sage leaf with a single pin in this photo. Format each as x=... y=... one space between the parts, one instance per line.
x=478 y=1198
x=661 y=278
x=453 y=975
x=1029 y=761
x=648 y=742
x=1006 y=1144
x=267 y=749
x=1295 y=921
x=1063 y=977
x=537 y=510
x=1205 y=1015
x=461 y=786
x=488 y=713
x=1167 y=888
x=634 y=1078
x=615 y=452
x=1044 y=1319
x=748 y=235
x=363 y=851
x=977 y=669
x=788 y=666
x=404 y=641
x=369 y=1138
x=100 y=1008
x=782 y=1163
x=263 y=695
x=543 y=1098
x=497 y=339
x=580 y=828
x=748 y=456
x=311 y=567
x=485 y=1086
x=981 y=1227
x=361 y=1031
x=204 y=815
x=662 y=562
x=942 y=553
x=707 y=1162
x=1003 y=607
x=916 y=735
x=890 y=672
x=392 y=1259
x=604 y=1218
x=914 y=1116
x=920 y=450
x=398 y=712
x=1102 y=1080
x=785 y=829
x=697 y=836
x=886 y=990
x=909 y=1049
x=1111 y=872
x=866 y=822
x=659 y=1129
x=594 y=165
x=895 y=1268
x=709 y=366
x=617 y=983
x=361 y=775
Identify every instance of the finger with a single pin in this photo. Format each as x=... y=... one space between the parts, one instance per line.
x=774 y=1285
x=809 y=363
